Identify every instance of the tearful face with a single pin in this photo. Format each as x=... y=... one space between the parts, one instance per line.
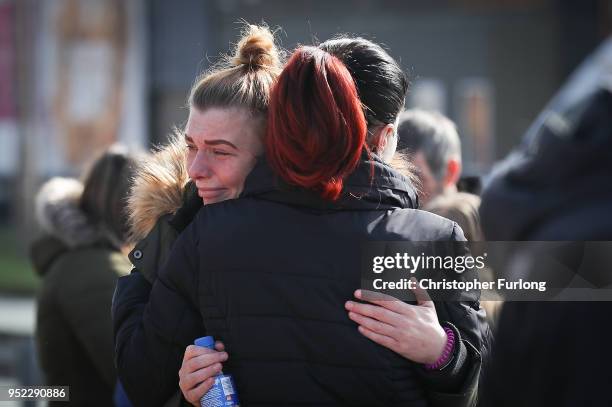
x=223 y=145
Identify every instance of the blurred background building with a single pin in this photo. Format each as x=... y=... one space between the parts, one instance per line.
x=79 y=75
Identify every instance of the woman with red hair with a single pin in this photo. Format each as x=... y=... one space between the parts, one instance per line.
x=316 y=126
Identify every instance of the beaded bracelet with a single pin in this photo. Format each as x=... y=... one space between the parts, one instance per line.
x=447 y=353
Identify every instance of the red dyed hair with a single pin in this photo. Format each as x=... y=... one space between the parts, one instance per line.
x=316 y=126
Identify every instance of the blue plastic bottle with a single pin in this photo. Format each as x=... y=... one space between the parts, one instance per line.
x=223 y=391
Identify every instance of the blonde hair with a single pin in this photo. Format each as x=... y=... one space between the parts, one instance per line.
x=243 y=80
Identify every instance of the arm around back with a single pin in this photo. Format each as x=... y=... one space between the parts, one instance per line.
x=458 y=386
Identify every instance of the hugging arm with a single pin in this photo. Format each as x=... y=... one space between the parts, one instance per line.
x=414 y=331
x=153 y=324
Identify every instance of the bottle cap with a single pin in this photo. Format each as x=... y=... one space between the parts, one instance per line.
x=205 y=342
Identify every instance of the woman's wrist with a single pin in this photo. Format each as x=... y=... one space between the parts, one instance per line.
x=447 y=352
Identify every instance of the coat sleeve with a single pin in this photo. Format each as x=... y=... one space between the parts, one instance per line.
x=458 y=384
x=468 y=315
x=153 y=324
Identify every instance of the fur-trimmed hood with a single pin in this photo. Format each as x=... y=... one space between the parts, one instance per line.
x=158 y=187
x=58 y=213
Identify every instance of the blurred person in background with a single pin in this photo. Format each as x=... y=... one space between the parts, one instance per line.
x=432 y=143
x=557 y=187
x=79 y=259
x=429 y=140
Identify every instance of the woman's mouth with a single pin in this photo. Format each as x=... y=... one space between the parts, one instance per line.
x=210 y=195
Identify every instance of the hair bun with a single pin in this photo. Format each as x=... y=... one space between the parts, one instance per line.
x=256 y=48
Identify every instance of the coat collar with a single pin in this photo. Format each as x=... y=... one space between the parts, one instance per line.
x=386 y=189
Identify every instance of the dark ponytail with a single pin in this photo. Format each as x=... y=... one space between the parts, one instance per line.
x=380 y=81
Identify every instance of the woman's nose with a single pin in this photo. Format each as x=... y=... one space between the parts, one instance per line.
x=200 y=166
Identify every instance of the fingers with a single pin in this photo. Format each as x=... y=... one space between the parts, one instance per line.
x=187 y=381
x=423 y=298
x=200 y=365
x=192 y=351
x=375 y=312
x=373 y=325
x=203 y=361
x=384 y=300
x=392 y=303
x=194 y=395
x=383 y=340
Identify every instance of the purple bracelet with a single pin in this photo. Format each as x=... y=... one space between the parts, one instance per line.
x=447 y=353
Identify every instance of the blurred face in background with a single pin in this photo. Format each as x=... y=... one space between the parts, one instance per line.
x=223 y=145
x=430 y=185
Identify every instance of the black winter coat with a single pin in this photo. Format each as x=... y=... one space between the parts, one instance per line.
x=565 y=342
x=268 y=274
x=79 y=270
